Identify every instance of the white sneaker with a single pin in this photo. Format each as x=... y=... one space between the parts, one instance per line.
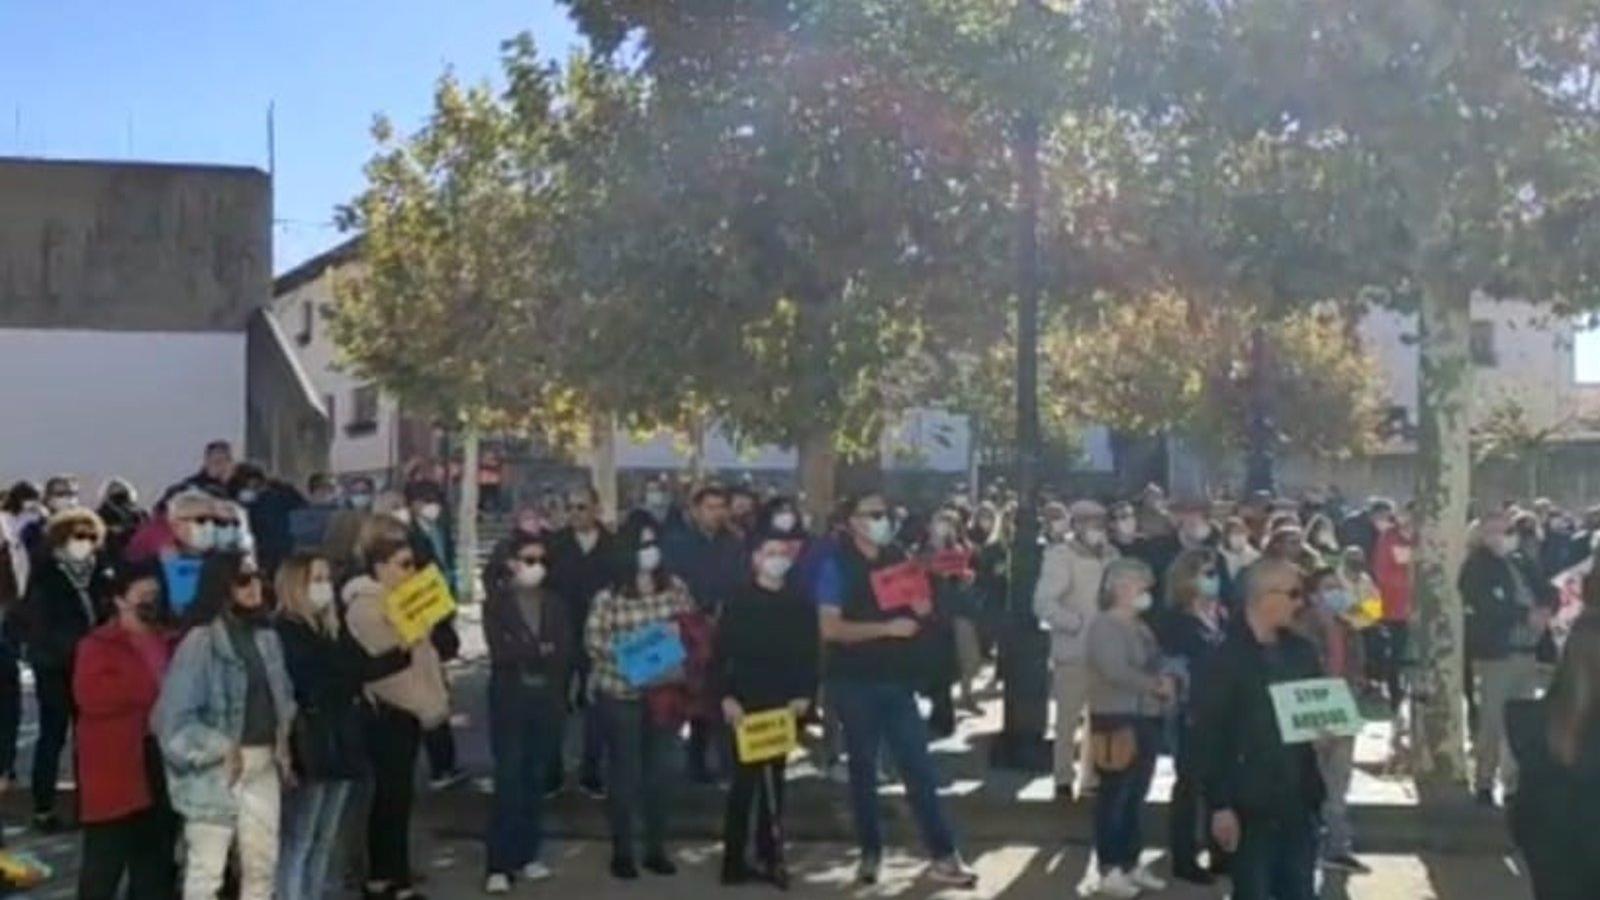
x=536 y=871
x=1146 y=879
x=1117 y=883
x=497 y=884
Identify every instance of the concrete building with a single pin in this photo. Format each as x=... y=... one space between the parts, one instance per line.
x=128 y=292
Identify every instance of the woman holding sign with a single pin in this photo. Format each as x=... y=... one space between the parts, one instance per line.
x=404 y=704
x=767 y=657
x=632 y=637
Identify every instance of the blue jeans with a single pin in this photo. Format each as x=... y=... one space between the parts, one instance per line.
x=525 y=720
x=875 y=714
x=638 y=776
x=310 y=831
x=1277 y=858
x=1118 y=837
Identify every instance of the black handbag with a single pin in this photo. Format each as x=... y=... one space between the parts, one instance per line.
x=329 y=744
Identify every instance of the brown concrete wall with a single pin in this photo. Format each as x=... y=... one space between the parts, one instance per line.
x=133 y=247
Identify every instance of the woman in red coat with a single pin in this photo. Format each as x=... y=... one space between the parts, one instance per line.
x=1388 y=644
x=127 y=823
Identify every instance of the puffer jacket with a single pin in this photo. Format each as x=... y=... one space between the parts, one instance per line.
x=1066 y=597
x=419 y=688
x=199 y=717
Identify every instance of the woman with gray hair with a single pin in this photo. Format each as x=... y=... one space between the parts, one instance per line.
x=1127 y=695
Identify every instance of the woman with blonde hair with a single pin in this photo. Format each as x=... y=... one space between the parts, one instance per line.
x=1556 y=741
x=325 y=746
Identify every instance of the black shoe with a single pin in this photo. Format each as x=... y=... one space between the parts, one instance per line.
x=1193 y=875
x=736 y=874
x=1065 y=793
x=779 y=876
x=47 y=823
x=1485 y=797
x=622 y=867
x=659 y=864
x=1346 y=862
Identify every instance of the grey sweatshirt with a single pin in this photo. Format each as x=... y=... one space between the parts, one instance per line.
x=1124 y=663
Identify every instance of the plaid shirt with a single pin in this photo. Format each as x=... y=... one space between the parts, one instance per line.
x=613 y=616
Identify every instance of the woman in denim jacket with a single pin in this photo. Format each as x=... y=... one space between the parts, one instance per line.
x=223 y=722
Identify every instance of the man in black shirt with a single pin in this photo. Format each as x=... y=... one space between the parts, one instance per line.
x=582 y=564
x=1264 y=793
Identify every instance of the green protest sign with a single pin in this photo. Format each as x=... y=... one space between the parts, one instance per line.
x=1315 y=708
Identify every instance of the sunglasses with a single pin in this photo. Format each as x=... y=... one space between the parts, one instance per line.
x=84 y=536
x=1208 y=573
x=204 y=520
x=531 y=560
x=876 y=515
x=577 y=507
x=246 y=578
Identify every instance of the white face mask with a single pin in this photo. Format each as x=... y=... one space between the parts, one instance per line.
x=80 y=550
x=1237 y=543
x=1093 y=538
x=881 y=532
x=939 y=532
x=1197 y=531
x=430 y=512
x=1126 y=528
x=249 y=496
x=1143 y=602
x=775 y=567
x=226 y=537
x=784 y=521
x=361 y=501
x=320 y=594
x=1058 y=528
x=530 y=576
x=649 y=559
x=202 y=537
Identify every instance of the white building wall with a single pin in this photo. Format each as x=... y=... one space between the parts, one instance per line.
x=97 y=404
x=351 y=452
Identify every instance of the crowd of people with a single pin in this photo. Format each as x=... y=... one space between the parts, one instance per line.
x=244 y=703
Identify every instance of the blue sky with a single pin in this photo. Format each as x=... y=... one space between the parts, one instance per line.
x=190 y=81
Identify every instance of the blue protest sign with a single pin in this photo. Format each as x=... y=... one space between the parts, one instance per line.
x=646 y=655
x=183 y=580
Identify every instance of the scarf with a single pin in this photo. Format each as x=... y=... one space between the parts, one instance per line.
x=79 y=572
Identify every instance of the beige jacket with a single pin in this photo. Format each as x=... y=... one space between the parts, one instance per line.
x=1067 y=596
x=419 y=688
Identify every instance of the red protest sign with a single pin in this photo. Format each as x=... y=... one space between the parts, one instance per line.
x=950 y=562
x=903 y=586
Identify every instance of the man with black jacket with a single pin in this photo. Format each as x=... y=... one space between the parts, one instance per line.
x=1508 y=610
x=1264 y=793
x=583 y=562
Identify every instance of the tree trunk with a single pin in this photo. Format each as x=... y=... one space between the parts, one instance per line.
x=603 y=462
x=1444 y=484
x=814 y=446
x=1259 y=430
x=818 y=471
x=974 y=462
x=697 y=447
x=467 y=518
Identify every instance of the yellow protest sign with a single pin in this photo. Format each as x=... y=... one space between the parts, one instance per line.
x=419 y=603
x=767 y=735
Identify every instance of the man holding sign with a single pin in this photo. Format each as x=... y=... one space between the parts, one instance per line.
x=766 y=673
x=1263 y=785
x=871 y=609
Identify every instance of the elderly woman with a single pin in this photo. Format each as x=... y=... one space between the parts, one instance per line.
x=68 y=593
x=1127 y=695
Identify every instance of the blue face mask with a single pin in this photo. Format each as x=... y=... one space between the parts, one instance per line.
x=1210 y=586
x=1338 y=601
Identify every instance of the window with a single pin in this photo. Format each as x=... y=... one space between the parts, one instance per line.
x=1481 y=345
x=307 y=319
x=363 y=410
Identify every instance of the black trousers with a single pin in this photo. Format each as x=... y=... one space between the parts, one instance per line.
x=759 y=786
x=393 y=737
x=53 y=687
x=440 y=742
x=140 y=846
x=10 y=708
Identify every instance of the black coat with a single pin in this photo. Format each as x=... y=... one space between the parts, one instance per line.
x=513 y=647
x=55 y=615
x=1241 y=758
x=577 y=576
x=1489 y=597
x=269 y=523
x=444 y=636
x=768 y=648
x=1558 y=833
x=325 y=674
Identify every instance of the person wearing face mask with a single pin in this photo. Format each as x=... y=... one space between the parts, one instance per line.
x=657 y=503
x=268 y=503
x=530 y=645
x=68 y=592
x=1124 y=528
x=1191 y=530
x=433 y=543
x=948 y=561
x=216 y=468
x=120 y=510
x=1325 y=621
x=402 y=704
x=223 y=721
x=1238 y=554
x=1065 y=600
x=129 y=828
x=60 y=495
x=326 y=749
x=766 y=658
x=637 y=743
x=988 y=534
x=1194 y=589
x=876 y=659
x=231 y=535
x=1389 y=642
x=18 y=509
x=1508 y=611
x=1128 y=694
